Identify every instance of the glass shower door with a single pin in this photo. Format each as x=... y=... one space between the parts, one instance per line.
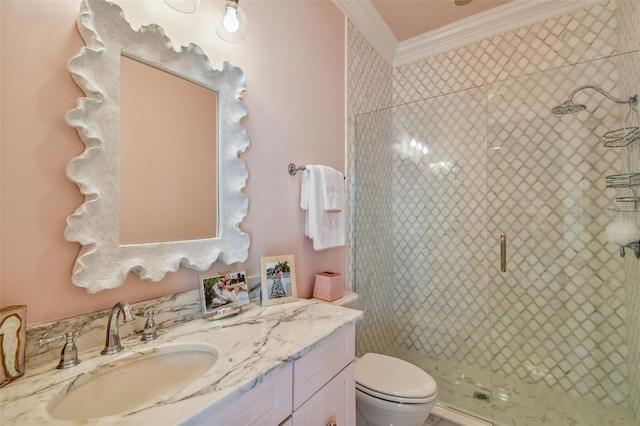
x=557 y=313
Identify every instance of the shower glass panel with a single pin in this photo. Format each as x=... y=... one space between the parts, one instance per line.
x=437 y=182
x=432 y=182
x=374 y=250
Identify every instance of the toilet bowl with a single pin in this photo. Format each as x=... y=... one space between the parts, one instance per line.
x=391 y=391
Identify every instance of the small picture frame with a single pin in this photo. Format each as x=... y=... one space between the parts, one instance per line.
x=278 y=280
x=223 y=291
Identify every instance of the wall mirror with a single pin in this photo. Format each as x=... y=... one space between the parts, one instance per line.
x=134 y=171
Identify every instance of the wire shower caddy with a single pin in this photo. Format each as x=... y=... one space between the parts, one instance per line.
x=624 y=138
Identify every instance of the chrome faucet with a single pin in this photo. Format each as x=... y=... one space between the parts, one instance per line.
x=112 y=343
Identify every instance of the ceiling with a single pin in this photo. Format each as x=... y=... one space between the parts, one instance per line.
x=410 y=18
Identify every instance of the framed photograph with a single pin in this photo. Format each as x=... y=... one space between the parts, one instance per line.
x=219 y=292
x=278 y=280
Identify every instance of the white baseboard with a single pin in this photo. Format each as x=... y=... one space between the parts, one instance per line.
x=458 y=417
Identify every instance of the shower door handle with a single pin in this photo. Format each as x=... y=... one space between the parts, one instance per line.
x=503 y=252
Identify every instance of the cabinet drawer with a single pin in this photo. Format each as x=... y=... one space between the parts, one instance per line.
x=335 y=402
x=269 y=403
x=320 y=365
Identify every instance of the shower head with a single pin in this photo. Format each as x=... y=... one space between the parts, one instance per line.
x=568 y=107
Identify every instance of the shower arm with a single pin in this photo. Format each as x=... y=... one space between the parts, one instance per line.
x=633 y=100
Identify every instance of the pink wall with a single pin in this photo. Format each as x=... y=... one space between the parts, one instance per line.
x=293 y=58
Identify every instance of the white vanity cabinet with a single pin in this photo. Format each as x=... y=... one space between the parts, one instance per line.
x=316 y=390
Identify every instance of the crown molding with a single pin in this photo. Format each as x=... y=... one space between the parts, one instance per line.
x=515 y=14
x=367 y=20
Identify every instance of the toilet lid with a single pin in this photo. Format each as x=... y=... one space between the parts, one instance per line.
x=392 y=376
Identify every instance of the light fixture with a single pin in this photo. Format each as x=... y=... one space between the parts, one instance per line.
x=231 y=22
x=461 y=2
x=184 y=6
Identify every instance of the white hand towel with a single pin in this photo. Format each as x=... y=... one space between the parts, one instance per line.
x=304 y=200
x=326 y=229
x=332 y=183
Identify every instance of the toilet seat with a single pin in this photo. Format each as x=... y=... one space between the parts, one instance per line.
x=394 y=398
x=393 y=379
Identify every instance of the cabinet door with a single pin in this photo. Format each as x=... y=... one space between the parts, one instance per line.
x=317 y=367
x=268 y=404
x=335 y=402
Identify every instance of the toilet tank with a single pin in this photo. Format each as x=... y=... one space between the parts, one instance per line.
x=348 y=300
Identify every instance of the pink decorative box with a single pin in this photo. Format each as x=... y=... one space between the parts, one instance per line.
x=328 y=286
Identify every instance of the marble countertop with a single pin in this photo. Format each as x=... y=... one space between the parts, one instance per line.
x=251 y=346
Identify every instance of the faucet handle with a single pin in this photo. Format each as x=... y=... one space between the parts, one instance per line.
x=69 y=353
x=150 y=331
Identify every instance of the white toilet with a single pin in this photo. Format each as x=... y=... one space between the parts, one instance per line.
x=390 y=391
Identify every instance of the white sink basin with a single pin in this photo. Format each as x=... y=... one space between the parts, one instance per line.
x=135 y=379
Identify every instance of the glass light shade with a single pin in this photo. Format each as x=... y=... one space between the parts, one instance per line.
x=231 y=22
x=184 y=6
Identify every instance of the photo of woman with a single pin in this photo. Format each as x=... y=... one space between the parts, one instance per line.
x=277 y=289
x=278 y=280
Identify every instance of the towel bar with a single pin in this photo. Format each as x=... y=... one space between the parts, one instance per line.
x=293 y=169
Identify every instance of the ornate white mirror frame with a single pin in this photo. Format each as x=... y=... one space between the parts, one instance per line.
x=102 y=262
